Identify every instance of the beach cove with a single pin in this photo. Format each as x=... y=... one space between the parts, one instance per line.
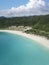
x=40 y=39
x=17 y=49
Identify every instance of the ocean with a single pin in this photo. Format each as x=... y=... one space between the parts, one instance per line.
x=18 y=50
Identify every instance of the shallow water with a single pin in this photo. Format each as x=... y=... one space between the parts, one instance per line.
x=18 y=50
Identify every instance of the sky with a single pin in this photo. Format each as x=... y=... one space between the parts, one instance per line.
x=11 y=8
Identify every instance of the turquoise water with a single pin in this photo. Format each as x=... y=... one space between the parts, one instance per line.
x=17 y=50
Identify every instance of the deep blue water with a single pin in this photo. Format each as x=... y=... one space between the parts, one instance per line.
x=18 y=50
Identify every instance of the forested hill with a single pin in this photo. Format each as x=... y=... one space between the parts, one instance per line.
x=37 y=22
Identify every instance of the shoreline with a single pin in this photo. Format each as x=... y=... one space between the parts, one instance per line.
x=40 y=39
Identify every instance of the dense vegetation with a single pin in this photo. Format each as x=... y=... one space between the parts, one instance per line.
x=39 y=24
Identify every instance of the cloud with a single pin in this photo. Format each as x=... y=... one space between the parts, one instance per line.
x=33 y=7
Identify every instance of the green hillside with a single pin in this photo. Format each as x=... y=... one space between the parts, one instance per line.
x=39 y=24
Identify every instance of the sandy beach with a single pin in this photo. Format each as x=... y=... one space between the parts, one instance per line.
x=41 y=40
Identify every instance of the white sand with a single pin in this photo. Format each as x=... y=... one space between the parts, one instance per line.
x=41 y=40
